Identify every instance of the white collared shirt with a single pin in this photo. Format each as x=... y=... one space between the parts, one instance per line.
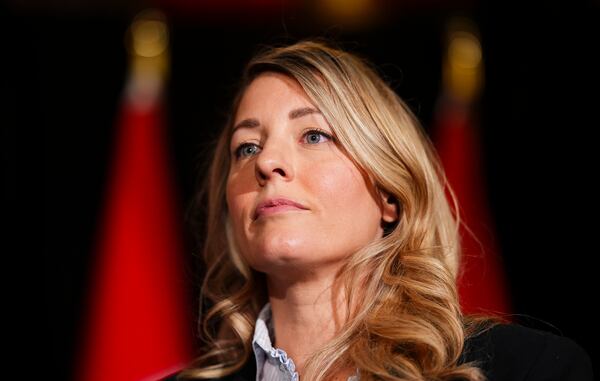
x=273 y=364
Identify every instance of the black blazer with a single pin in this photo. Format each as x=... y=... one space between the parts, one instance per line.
x=506 y=352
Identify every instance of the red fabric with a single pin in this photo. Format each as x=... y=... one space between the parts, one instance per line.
x=482 y=285
x=137 y=327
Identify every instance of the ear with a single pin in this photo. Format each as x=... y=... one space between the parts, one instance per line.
x=390 y=206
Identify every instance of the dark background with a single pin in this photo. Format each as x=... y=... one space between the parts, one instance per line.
x=67 y=67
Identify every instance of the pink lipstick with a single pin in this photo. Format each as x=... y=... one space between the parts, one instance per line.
x=276 y=205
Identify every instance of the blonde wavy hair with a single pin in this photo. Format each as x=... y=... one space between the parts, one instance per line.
x=408 y=325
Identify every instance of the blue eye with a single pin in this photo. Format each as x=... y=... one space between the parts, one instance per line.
x=311 y=137
x=245 y=149
x=311 y=134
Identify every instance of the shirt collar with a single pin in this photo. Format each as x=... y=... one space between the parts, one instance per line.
x=263 y=347
x=263 y=331
x=266 y=356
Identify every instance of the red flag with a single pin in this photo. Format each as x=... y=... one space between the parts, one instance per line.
x=137 y=324
x=482 y=284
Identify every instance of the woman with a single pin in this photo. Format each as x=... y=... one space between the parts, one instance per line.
x=331 y=250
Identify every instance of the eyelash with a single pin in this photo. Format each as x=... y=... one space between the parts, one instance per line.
x=238 y=150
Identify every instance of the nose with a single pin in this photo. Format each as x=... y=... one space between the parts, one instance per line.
x=274 y=161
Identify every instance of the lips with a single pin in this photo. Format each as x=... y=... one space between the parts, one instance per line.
x=275 y=205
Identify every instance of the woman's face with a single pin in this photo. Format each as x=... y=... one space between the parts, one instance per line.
x=277 y=154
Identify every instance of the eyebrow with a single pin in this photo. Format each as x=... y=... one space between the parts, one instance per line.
x=294 y=114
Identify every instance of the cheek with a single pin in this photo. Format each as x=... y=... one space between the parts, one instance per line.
x=341 y=190
x=349 y=217
x=237 y=199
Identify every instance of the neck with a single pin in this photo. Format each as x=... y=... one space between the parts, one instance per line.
x=305 y=315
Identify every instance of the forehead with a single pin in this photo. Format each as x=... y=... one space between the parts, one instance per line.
x=271 y=89
x=274 y=98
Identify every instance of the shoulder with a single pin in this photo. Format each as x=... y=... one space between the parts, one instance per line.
x=516 y=352
x=504 y=352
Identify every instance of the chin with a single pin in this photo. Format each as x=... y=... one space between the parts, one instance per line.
x=283 y=247
x=280 y=251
